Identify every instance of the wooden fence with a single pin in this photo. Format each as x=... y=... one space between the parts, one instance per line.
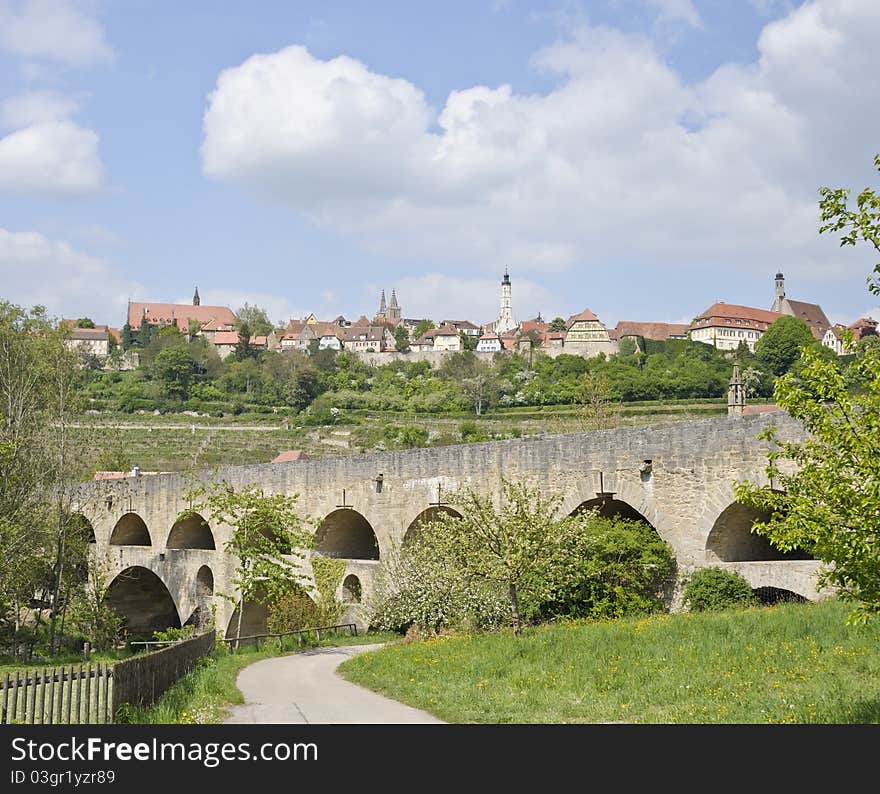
x=71 y=695
x=93 y=693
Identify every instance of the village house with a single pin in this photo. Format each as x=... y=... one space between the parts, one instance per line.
x=225 y=342
x=861 y=328
x=725 y=325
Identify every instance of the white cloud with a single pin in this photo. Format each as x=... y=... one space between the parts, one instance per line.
x=36 y=107
x=677 y=10
x=38 y=271
x=277 y=307
x=622 y=161
x=62 y=31
x=51 y=158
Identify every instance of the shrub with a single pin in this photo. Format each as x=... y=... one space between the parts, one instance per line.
x=609 y=568
x=412 y=591
x=714 y=590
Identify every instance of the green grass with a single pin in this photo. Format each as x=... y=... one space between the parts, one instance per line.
x=205 y=694
x=791 y=663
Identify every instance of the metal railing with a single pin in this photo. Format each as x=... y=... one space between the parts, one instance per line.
x=233 y=642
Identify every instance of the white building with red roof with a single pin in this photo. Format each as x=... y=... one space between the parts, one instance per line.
x=725 y=325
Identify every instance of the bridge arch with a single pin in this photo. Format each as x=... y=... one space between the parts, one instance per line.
x=428 y=514
x=83 y=527
x=777 y=595
x=192 y=532
x=130 y=530
x=253 y=621
x=346 y=533
x=351 y=590
x=611 y=508
x=201 y=614
x=731 y=538
x=144 y=602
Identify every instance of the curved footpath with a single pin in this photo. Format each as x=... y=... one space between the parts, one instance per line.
x=304 y=688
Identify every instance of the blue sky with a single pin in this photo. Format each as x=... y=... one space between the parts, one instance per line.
x=642 y=158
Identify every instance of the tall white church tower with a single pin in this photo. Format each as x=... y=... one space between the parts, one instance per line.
x=505 y=321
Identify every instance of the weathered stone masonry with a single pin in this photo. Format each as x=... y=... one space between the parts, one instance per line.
x=679 y=476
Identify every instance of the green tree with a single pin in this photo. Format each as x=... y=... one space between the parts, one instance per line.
x=242 y=349
x=610 y=568
x=598 y=410
x=173 y=366
x=468 y=342
x=422 y=327
x=781 y=344
x=269 y=539
x=829 y=504
x=401 y=338
x=557 y=324
x=510 y=545
x=256 y=319
x=861 y=224
x=126 y=336
x=85 y=322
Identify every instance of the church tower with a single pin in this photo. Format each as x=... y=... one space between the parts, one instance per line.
x=383 y=309
x=393 y=308
x=780 y=294
x=505 y=321
x=196 y=299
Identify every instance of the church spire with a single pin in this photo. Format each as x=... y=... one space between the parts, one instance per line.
x=382 y=305
x=196 y=299
x=393 y=299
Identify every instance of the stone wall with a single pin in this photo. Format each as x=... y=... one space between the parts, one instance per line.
x=679 y=476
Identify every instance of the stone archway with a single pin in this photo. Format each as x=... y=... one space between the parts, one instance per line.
x=607 y=507
x=346 y=534
x=351 y=590
x=83 y=528
x=731 y=538
x=426 y=516
x=130 y=530
x=253 y=621
x=201 y=615
x=192 y=532
x=777 y=595
x=144 y=602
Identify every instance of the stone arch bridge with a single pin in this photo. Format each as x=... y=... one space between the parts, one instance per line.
x=678 y=477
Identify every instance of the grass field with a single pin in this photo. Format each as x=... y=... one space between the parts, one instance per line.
x=791 y=663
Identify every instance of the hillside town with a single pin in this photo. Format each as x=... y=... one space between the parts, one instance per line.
x=389 y=335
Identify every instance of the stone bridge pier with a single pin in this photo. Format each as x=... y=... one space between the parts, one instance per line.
x=677 y=477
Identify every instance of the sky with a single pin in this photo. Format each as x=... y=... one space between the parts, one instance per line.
x=640 y=158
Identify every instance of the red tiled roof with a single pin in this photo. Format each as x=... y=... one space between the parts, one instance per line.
x=812 y=315
x=648 y=330
x=585 y=315
x=733 y=311
x=289 y=455
x=177 y=313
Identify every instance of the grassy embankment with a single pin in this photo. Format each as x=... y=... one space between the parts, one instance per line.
x=792 y=663
x=180 y=442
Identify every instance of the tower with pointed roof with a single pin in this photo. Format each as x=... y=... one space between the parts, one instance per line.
x=505 y=320
x=394 y=310
x=196 y=299
x=383 y=308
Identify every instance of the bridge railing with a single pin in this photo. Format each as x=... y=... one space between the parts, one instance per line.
x=233 y=642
